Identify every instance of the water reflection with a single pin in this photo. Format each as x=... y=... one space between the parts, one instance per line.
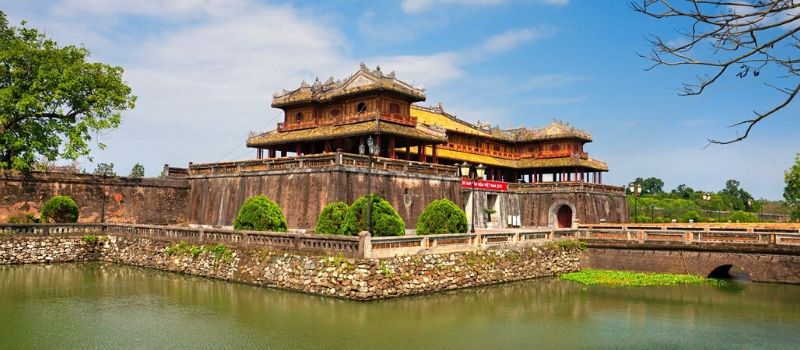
x=99 y=305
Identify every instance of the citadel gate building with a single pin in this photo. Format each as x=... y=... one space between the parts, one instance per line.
x=534 y=177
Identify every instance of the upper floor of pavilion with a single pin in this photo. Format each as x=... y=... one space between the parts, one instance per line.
x=339 y=114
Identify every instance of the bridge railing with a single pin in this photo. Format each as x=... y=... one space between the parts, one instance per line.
x=690 y=236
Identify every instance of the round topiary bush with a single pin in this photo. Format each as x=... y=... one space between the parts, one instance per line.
x=260 y=214
x=331 y=218
x=60 y=209
x=385 y=220
x=442 y=216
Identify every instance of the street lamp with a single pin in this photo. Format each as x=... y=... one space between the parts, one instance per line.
x=706 y=198
x=373 y=150
x=636 y=190
x=465 y=170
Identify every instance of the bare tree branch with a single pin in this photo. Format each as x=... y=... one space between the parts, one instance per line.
x=725 y=36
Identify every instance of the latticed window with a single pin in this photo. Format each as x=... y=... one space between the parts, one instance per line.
x=361 y=107
x=394 y=108
x=298 y=117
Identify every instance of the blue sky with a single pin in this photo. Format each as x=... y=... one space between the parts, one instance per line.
x=205 y=70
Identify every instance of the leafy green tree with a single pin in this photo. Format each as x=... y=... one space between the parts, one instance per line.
x=259 y=213
x=650 y=185
x=137 y=172
x=742 y=216
x=60 y=209
x=52 y=99
x=105 y=169
x=735 y=198
x=791 y=193
x=683 y=191
x=442 y=216
x=385 y=220
x=331 y=218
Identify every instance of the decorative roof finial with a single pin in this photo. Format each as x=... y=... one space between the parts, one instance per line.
x=363 y=66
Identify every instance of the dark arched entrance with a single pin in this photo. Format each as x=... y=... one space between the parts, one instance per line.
x=729 y=272
x=564 y=217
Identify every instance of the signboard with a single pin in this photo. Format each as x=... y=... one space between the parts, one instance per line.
x=487 y=185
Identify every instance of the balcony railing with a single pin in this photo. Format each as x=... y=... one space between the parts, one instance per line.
x=317 y=161
x=348 y=119
x=571 y=186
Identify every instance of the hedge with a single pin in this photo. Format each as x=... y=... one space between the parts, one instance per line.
x=60 y=209
x=385 y=220
x=742 y=216
x=331 y=218
x=260 y=214
x=442 y=216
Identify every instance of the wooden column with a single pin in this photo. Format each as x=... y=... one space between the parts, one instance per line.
x=392 y=153
x=435 y=155
x=298 y=148
x=378 y=144
x=327 y=146
x=600 y=179
x=422 y=153
x=408 y=153
x=271 y=152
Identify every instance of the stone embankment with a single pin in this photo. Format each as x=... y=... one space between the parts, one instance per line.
x=356 y=279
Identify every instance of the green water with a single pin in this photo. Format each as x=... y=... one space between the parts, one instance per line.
x=108 y=306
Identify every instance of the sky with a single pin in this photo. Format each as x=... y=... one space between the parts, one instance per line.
x=204 y=72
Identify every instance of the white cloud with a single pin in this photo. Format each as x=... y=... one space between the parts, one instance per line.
x=417 y=6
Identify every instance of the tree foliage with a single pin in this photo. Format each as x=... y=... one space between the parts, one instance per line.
x=137 y=172
x=385 y=220
x=105 y=169
x=60 y=209
x=259 y=213
x=743 y=38
x=52 y=100
x=442 y=216
x=331 y=218
x=650 y=185
x=791 y=193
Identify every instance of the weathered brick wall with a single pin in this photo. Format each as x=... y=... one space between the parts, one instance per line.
x=761 y=267
x=144 y=201
x=215 y=200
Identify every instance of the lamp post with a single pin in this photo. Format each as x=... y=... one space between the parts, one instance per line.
x=636 y=190
x=465 y=170
x=706 y=198
x=373 y=150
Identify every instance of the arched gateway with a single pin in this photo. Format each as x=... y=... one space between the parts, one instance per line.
x=561 y=214
x=564 y=217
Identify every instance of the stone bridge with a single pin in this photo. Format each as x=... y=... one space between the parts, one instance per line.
x=761 y=256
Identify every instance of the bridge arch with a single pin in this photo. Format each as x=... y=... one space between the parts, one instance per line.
x=730 y=272
x=561 y=214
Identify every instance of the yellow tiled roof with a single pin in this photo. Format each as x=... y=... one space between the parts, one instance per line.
x=555 y=130
x=526 y=163
x=331 y=131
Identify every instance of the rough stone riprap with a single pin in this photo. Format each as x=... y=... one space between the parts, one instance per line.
x=356 y=279
x=33 y=250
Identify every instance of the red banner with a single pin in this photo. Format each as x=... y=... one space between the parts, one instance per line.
x=484 y=185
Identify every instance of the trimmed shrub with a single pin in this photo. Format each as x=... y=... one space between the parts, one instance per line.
x=331 y=218
x=260 y=214
x=742 y=216
x=60 y=209
x=385 y=220
x=442 y=216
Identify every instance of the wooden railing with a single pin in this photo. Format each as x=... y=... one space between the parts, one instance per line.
x=317 y=161
x=348 y=119
x=567 y=186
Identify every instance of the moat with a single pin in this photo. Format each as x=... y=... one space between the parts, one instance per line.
x=96 y=305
